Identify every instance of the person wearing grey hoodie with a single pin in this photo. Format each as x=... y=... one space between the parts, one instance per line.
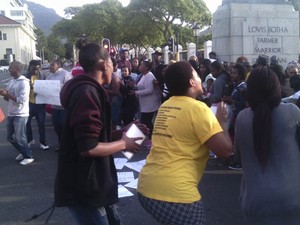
x=17 y=96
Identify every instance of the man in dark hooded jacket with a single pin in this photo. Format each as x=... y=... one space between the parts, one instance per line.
x=86 y=180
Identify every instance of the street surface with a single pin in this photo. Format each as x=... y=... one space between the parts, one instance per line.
x=28 y=190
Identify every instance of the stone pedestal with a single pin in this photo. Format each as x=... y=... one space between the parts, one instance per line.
x=207 y=48
x=253 y=29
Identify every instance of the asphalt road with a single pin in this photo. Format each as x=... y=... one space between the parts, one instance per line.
x=28 y=190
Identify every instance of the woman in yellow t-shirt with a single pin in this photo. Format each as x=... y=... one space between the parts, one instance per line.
x=184 y=131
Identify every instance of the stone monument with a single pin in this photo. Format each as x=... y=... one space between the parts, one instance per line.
x=254 y=27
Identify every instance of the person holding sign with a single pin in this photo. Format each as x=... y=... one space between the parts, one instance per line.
x=86 y=179
x=184 y=131
x=57 y=111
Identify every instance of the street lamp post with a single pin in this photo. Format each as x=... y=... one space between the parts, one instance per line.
x=196 y=31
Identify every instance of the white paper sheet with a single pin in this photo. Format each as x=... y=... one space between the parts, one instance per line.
x=120 y=163
x=214 y=109
x=133 y=132
x=125 y=177
x=123 y=192
x=132 y=184
x=47 y=91
x=137 y=166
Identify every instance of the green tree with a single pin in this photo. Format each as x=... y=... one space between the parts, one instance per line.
x=140 y=31
x=167 y=12
x=95 y=20
x=67 y=29
x=41 y=41
x=71 y=11
x=55 y=47
x=141 y=24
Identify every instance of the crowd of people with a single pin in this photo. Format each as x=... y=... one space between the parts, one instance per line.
x=253 y=129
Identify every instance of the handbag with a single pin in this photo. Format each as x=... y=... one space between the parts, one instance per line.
x=2 y=116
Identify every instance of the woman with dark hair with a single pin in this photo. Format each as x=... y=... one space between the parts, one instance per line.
x=237 y=99
x=86 y=178
x=149 y=99
x=236 y=102
x=206 y=77
x=286 y=89
x=222 y=86
x=77 y=69
x=267 y=137
x=182 y=137
x=195 y=65
x=114 y=94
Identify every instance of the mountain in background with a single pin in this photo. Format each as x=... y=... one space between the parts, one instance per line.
x=44 y=18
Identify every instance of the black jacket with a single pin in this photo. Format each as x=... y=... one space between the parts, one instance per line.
x=80 y=180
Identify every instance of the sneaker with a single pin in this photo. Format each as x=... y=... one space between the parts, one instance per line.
x=32 y=142
x=19 y=157
x=235 y=166
x=44 y=147
x=25 y=162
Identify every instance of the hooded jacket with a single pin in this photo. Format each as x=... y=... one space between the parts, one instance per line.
x=85 y=180
x=20 y=89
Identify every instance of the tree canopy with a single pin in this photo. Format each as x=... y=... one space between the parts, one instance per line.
x=140 y=24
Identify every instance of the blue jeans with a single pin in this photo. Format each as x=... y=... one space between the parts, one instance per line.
x=58 y=120
x=37 y=111
x=16 y=135
x=89 y=215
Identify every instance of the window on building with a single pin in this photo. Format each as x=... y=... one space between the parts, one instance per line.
x=4 y=36
x=2 y=12
x=8 y=51
x=16 y=13
x=0 y=35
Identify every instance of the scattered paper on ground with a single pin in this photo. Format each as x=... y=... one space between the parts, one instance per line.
x=120 y=162
x=125 y=177
x=123 y=192
x=137 y=166
x=132 y=184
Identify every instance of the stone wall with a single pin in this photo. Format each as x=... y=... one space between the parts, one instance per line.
x=253 y=29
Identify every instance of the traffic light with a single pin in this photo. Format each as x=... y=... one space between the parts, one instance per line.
x=106 y=44
x=112 y=52
x=171 y=44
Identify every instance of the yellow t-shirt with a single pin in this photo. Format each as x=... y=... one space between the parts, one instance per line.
x=177 y=160
x=32 y=95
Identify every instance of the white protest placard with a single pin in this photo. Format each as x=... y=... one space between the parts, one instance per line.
x=125 y=177
x=47 y=91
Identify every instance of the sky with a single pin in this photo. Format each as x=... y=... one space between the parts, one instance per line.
x=59 y=8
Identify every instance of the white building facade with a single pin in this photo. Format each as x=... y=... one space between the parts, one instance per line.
x=17 y=38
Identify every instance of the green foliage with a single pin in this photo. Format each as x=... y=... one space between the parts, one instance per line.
x=41 y=39
x=140 y=24
x=167 y=12
x=71 y=11
x=55 y=47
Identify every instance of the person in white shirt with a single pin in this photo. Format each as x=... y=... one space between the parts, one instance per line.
x=149 y=99
x=17 y=95
x=58 y=112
